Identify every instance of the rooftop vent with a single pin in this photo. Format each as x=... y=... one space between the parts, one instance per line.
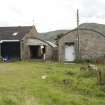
x=15 y=33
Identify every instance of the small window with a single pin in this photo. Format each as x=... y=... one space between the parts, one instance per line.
x=69 y=43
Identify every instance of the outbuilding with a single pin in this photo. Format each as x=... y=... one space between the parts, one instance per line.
x=22 y=43
x=89 y=46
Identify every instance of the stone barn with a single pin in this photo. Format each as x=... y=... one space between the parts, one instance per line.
x=22 y=43
x=91 y=45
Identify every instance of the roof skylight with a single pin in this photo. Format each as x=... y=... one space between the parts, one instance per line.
x=15 y=33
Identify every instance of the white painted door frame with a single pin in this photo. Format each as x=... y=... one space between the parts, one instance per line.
x=69 y=54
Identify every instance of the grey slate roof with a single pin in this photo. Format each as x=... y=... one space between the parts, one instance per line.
x=6 y=33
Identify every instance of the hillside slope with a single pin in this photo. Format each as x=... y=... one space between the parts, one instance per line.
x=94 y=26
x=51 y=36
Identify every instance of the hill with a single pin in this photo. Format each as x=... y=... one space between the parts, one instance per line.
x=94 y=26
x=51 y=36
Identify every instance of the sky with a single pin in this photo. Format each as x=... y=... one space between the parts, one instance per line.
x=49 y=15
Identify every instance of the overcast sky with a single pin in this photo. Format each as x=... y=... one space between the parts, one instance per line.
x=50 y=15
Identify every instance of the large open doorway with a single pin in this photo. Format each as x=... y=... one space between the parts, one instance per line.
x=37 y=51
x=10 y=50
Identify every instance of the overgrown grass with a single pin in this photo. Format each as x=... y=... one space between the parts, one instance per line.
x=21 y=84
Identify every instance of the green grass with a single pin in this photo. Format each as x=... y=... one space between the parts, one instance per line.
x=21 y=84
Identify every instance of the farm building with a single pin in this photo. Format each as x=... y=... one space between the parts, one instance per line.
x=91 y=45
x=23 y=43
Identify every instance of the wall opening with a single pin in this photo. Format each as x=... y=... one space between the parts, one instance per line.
x=10 y=50
x=69 y=51
x=37 y=52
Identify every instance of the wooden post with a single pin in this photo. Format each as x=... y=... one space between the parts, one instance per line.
x=0 y=51
x=78 y=38
x=99 y=77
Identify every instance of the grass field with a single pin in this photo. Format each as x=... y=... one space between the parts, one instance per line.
x=21 y=83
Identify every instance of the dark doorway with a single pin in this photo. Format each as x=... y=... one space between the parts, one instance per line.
x=10 y=50
x=36 y=52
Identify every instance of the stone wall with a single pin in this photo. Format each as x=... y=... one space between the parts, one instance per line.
x=31 y=39
x=92 y=44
